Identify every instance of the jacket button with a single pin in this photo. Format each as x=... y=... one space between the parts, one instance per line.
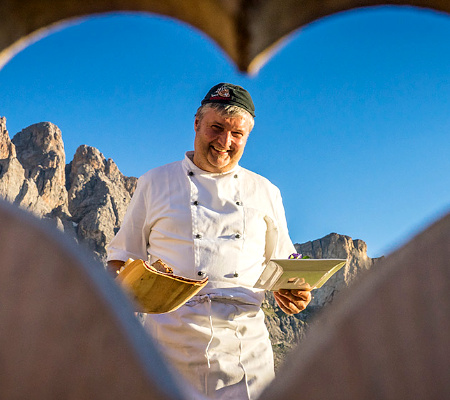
x=198 y=235
x=195 y=203
x=239 y=203
x=190 y=173
x=235 y=176
x=200 y=273
x=236 y=274
x=237 y=236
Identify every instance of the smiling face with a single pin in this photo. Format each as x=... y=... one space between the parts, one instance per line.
x=220 y=140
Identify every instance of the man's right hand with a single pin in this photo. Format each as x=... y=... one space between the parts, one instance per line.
x=114 y=266
x=293 y=301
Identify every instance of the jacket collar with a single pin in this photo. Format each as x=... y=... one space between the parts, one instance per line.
x=188 y=165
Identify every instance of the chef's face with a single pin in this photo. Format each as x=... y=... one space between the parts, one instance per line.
x=220 y=140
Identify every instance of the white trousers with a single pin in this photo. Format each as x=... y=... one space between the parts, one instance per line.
x=219 y=345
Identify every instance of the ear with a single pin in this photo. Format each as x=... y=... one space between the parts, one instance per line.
x=196 y=123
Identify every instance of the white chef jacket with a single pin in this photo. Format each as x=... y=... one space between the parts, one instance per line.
x=224 y=226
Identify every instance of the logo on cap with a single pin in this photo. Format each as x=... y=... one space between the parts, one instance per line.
x=222 y=92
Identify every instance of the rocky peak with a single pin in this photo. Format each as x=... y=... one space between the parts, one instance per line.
x=12 y=174
x=86 y=161
x=335 y=245
x=7 y=148
x=40 y=151
x=98 y=196
x=40 y=144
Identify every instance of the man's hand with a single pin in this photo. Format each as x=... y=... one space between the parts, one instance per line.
x=293 y=301
x=114 y=266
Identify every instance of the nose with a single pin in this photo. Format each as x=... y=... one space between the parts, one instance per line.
x=224 y=139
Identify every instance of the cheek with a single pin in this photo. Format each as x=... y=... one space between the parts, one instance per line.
x=201 y=140
x=240 y=145
x=207 y=137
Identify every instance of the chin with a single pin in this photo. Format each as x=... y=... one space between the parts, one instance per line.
x=221 y=167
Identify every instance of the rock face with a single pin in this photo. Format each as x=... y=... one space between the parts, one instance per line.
x=12 y=174
x=40 y=152
x=98 y=196
x=88 y=197
x=7 y=149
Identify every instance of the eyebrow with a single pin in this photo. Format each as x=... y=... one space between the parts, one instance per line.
x=222 y=125
x=215 y=122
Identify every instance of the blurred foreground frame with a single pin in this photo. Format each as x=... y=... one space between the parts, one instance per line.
x=67 y=331
x=248 y=31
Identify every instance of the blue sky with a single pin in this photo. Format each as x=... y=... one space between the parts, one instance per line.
x=352 y=112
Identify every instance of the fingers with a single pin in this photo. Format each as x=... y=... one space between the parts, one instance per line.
x=293 y=301
x=296 y=294
x=286 y=305
x=291 y=304
x=114 y=266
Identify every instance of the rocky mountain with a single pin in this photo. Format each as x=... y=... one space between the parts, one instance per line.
x=87 y=199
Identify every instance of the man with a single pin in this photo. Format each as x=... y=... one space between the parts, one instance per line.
x=207 y=216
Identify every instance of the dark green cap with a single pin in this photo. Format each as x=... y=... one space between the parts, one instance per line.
x=226 y=93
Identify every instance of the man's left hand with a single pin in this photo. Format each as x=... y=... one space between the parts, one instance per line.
x=293 y=301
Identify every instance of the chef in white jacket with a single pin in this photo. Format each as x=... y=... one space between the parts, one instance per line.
x=207 y=216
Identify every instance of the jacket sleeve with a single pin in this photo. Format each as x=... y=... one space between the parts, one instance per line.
x=131 y=241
